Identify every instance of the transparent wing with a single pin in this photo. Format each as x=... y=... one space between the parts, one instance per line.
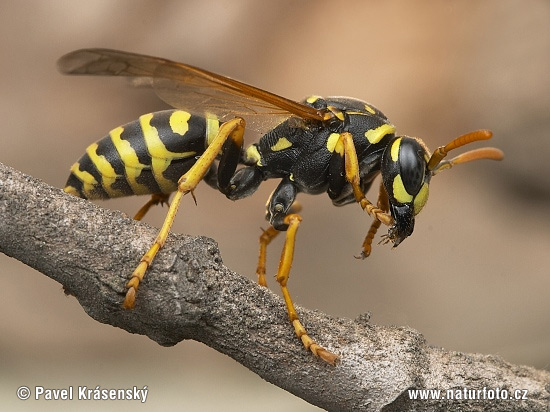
x=190 y=88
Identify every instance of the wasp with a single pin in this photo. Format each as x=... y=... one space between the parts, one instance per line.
x=334 y=145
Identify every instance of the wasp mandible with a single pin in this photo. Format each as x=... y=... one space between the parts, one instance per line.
x=334 y=145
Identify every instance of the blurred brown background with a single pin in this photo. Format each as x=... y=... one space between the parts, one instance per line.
x=473 y=277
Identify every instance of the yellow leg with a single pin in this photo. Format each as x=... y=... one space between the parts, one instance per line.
x=155 y=200
x=352 y=176
x=367 y=243
x=383 y=204
x=293 y=221
x=265 y=239
x=233 y=129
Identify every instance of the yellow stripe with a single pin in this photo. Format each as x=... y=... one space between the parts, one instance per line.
x=338 y=113
x=369 y=109
x=421 y=198
x=72 y=191
x=132 y=165
x=399 y=192
x=282 y=143
x=252 y=154
x=108 y=174
x=395 y=149
x=88 y=181
x=179 y=122
x=375 y=135
x=312 y=99
x=212 y=127
x=160 y=156
x=336 y=139
x=332 y=140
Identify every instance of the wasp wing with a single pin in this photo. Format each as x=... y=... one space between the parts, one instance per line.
x=190 y=88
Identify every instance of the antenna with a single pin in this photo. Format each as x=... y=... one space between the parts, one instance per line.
x=436 y=163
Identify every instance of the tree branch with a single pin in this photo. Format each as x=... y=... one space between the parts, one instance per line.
x=189 y=294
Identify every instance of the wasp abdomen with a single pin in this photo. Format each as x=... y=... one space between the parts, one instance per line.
x=145 y=156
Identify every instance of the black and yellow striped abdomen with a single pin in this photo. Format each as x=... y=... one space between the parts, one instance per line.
x=145 y=156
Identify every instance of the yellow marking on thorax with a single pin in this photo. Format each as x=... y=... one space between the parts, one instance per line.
x=282 y=143
x=375 y=135
x=369 y=109
x=212 y=127
x=132 y=165
x=338 y=113
x=88 y=180
x=421 y=198
x=252 y=154
x=335 y=143
x=179 y=122
x=331 y=141
x=107 y=171
x=312 y=99
x=395 y=149
x=399 y=192
x=160 y=156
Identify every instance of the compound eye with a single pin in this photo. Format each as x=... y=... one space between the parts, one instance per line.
x=412 y=165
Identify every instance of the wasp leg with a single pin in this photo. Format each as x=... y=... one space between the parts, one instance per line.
x=232 y=131
x=281 y=213
x=265 y=239
x=281 y=202
x=157 y=198
x=293 y=221
x=383 y=204
x=352 y=176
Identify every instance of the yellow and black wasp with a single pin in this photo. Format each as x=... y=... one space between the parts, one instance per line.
x=334 y=145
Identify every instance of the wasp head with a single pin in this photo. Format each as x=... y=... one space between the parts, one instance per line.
x=406 y=176
x=407 y=168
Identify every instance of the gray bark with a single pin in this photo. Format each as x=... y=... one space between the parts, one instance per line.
x=189 y=294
